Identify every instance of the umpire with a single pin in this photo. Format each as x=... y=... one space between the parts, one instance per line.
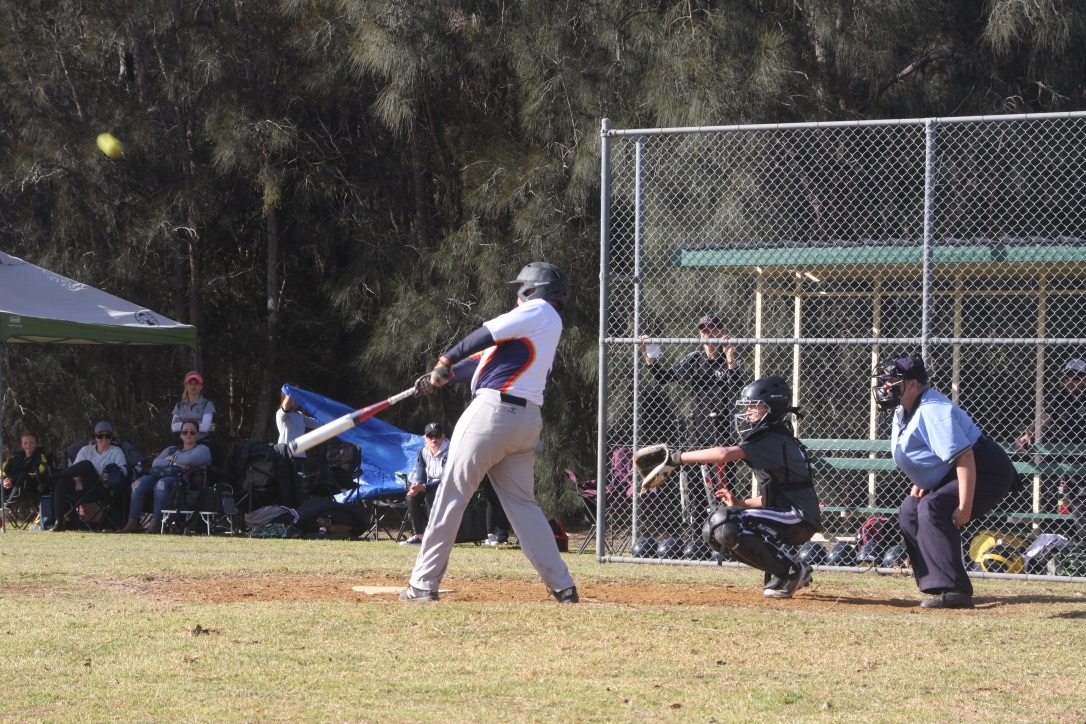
x=956 y=472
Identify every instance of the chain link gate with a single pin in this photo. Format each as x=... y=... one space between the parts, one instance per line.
x=820 y=249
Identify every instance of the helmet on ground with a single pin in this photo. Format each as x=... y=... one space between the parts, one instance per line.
x=841 y=554
x=696 y=550
x=871 y=551
x=812 y=553
x=895 y=557
x=769 y=395
x=644 y=547
x=1002 y=558
x=670 y=549
x=542 y=280
x=892 y=373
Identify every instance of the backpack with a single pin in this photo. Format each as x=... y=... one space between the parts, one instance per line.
x=263 y=471
x=323 y=518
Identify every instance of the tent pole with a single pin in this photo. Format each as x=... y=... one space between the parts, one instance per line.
x=3 y=509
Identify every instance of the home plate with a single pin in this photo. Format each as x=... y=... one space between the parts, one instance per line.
x=387 y=590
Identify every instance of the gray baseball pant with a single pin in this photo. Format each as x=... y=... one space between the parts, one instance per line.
x=498 y=439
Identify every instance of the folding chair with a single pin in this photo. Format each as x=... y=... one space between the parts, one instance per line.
x=19 y=506
x=587 y=494
x=97 y=507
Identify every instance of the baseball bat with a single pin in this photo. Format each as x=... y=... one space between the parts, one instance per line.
x=343 y=424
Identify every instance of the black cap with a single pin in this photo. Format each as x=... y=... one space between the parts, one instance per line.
x=434 y=427
x=709 y=321
x=910 y=367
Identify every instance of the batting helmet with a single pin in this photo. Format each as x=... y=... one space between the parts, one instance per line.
x=696 y=550
x=644 y=547
x=542 y=280
x=812 y=553
x=895 y=556
x=773 y=394
x=670 y=549
x=841 y=554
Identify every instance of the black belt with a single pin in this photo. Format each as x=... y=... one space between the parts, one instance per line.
x=513 y=400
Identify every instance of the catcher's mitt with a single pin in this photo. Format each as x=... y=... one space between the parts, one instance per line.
x=655 y=463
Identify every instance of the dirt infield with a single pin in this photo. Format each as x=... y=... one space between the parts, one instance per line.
x=483 y=590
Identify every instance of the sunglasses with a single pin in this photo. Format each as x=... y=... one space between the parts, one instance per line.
x=188 y=432
x=104 y=435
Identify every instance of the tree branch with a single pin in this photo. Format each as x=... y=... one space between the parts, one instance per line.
x=908 y=70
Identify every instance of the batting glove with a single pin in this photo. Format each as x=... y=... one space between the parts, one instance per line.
x=441 y=374
x=423 y=387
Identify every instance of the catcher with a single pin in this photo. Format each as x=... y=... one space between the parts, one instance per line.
x=756 y=530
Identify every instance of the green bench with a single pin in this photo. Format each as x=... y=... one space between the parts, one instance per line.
x=873 y=456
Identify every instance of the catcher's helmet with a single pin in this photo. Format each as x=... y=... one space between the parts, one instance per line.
x=644 y=547
x=771 y=392
x=895 y=556
x=696 y=550
x=670 y=549
x=812 y=553
x=896 y=371
x=841 y=554
x=542 y=280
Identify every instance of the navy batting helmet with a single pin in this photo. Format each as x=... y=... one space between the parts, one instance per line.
x=670 y=549
x=812 y=553
x=841 y=554
x=696 y=550
x=542 y=280
x=644 y=547
x=895 y=556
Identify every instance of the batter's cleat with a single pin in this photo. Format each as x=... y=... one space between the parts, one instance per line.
x=417 y=595
x=949 y=599
x=567 y=595
x=793 y=582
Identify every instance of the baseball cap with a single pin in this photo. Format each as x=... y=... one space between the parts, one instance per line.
x=909 y=367
x=709 y=321
x=103 y=426
x=194 y=376
x=434 y=427
x=1075 y=367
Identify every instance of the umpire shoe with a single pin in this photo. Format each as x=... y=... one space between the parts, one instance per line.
x=417 y=595
x=949 y=599
x=567 y=595
x=795 y=580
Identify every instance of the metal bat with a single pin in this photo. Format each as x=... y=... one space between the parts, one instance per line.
x=343 y=424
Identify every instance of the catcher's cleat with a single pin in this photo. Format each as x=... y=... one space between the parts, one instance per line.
x=792 y=583
x=655 y=463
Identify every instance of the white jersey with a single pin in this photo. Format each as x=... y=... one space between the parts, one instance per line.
x=526 y=340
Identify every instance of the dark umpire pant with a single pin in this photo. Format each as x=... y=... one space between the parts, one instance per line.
x=933 y=542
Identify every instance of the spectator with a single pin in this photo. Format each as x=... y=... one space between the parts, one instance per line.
x=26 y=472
x=193 y=406
x=292 y=422
x=167 y=469
x=424 y=480
x=1062 y=423
x=956 y=472
x=757 y=530
x=715 y=376
x=99 y=463
x=497 y=524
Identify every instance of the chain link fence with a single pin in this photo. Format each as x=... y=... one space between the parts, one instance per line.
x=812 y=251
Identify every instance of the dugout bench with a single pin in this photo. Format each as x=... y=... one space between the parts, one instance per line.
x=1045 y=466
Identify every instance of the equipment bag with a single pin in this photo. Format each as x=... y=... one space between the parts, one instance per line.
x=473 y=525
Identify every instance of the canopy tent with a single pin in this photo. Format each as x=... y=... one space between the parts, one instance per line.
x=38 y=306
x=386 y=449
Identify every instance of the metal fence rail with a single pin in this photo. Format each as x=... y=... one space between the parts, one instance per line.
x=821 y=248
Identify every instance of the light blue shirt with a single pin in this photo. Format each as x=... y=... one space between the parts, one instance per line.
x=926 y=445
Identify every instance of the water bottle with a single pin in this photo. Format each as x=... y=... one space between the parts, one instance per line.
x=653 y=352
x=1063 y=507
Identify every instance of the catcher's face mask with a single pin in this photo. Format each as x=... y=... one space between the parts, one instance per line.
x=749 y=416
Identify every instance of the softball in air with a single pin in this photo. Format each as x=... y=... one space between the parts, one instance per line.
x=110 y=145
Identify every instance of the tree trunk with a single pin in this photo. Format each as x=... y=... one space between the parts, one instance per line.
x=262 y=413
x=418 y=175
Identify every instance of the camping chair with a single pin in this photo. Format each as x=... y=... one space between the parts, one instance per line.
x=20 y=505
x=586 y=492
x=385 y=504
x=98 y=507
x=199 y=503
x=338 y=465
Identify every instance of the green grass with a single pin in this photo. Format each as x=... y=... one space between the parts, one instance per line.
x=99 y=627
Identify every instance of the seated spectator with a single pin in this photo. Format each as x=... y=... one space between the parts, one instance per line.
x=292 y=422
x=97 y=464
x=424 y=480
x=166 y=471
x=193 y=406
x=26 y=472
